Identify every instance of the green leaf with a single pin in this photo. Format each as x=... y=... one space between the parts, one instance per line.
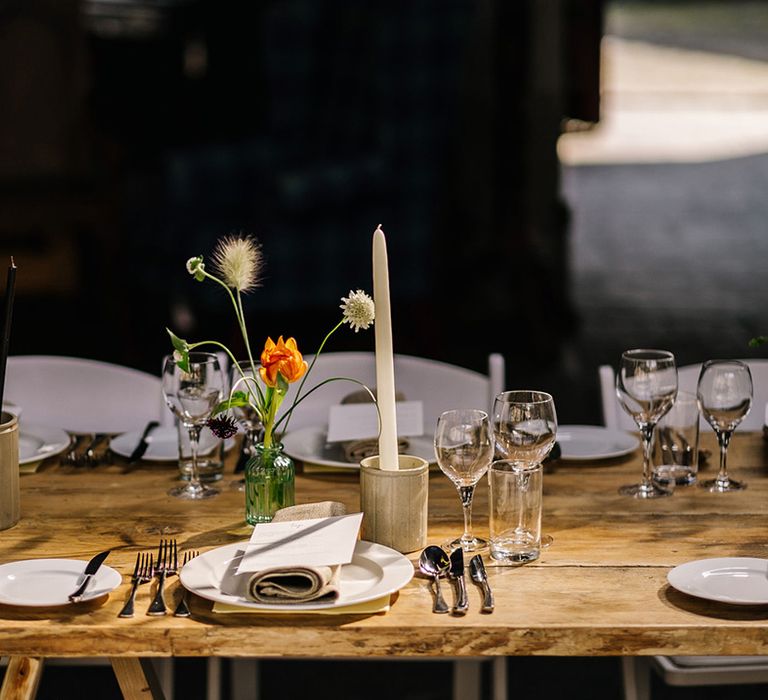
x=181 y=351
x=757 y=342
x=178 y=343
x=282 y=384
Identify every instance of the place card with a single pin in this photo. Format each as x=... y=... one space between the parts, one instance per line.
x=314 y=542
x=359 y=421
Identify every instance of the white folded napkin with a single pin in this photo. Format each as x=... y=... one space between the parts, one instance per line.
x=298 y=584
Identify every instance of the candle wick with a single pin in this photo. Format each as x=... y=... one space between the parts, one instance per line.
x=13 y=264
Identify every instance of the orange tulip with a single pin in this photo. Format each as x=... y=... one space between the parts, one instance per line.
x=283 y=358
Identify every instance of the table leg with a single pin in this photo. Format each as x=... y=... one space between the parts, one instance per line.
x=136 y=678
x=22 y=678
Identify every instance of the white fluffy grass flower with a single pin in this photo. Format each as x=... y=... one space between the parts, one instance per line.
x=238 y=260
x=359 y=310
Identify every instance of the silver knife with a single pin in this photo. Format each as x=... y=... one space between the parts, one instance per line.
x=456 y=572
x=141 y=448
x=477 y=572
x=90 y=570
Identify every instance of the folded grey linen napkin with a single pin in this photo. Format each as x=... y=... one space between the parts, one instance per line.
x=298 y=584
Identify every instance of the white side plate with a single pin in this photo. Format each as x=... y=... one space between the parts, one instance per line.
x=588 y=442
x=374 y=571
x=736 y=580
x=309 y=445
x=44 y=582
x=36 y=442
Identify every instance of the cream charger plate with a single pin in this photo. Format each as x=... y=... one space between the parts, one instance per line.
x=735 y=580
x=375 y=571
x=590 y=442
x=47 y=582
x=309 y=446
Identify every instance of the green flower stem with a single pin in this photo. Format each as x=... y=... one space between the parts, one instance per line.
x=298 y=400
x=244 y=332
x=192 y=346
x=298 y=396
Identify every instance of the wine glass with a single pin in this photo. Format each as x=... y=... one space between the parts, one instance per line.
x=464 y=450
x=725 y=397
x=242 y=378
x=192 y=396
x=646 y=386
x=525 y=429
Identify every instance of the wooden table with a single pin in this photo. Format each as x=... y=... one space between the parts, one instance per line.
x=600 y=589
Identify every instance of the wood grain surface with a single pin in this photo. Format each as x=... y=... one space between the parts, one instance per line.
x=600 y=589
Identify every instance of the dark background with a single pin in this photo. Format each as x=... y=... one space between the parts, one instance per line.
x=134 y=134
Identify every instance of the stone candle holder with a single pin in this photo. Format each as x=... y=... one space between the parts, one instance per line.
x=394 y=503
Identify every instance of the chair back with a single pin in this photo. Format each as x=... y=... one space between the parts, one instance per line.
x=82 y=396
x=439 y=386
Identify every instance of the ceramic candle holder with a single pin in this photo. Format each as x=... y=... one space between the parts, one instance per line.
x=9 y=470
x=394 y=503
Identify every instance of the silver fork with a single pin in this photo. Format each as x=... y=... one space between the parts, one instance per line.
x=89 y=458
x=167 y=565
x=182 y=609
x=73 y=456
x=142 y=573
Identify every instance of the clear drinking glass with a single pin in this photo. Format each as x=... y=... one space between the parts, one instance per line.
x=515 y=511
x=241 y=377
x=464 y=450
x=646 y=386
x=525 y=429
x=192 y=396
x=725 y=397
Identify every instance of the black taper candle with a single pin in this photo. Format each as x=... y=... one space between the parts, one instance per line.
x=10 y=287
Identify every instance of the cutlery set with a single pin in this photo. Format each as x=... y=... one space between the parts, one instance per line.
x=148 y=567
x=436 y=563
x=89 y=450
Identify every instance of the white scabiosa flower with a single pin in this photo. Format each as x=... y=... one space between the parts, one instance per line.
x=195 y=267
x=238 y=261
x=358 y=309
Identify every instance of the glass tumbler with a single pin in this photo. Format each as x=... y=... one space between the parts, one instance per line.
x=515 y=511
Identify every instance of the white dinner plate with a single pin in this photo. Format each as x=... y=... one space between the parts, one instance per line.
x=736 y=580
x=36 y=442
x=588 y=442
x=44 y=582
x=309 y=445
x=162 y=444
x=375 y=571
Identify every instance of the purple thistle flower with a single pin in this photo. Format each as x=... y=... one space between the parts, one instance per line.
x=222 y=426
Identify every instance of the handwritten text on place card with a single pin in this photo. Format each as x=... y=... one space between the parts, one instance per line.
x=315 y=542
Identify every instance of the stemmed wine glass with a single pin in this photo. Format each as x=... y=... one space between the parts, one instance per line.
x=192 y=396
x=647 y=387
x=725 y=398
x=241 y=377
x=525 y=429
x=464 y=450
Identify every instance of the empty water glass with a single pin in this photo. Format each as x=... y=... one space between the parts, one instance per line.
x=192 y=394
x=515 y=503
x=676 y=443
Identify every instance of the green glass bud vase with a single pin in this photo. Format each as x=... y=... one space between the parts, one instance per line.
x=270 y=479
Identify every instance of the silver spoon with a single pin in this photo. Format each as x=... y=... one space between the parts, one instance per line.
x=434 y=562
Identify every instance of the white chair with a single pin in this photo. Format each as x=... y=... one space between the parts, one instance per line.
x=440 y=387
x=83 y=396
x=689 y=670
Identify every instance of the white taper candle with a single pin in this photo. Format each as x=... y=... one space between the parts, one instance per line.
x=385 y=366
